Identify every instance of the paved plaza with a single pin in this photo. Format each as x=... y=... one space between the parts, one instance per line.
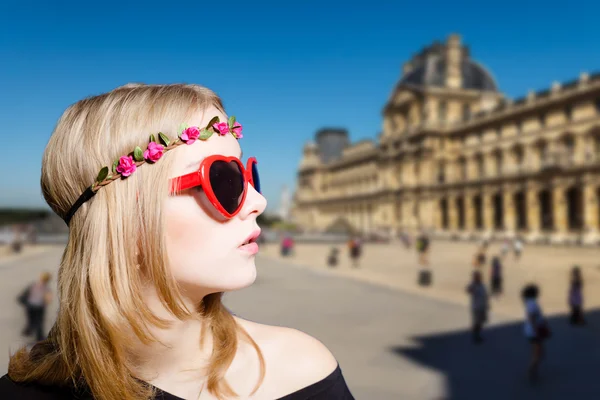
x=391 y=343
x=392 y=265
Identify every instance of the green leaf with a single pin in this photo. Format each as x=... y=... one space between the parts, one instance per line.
x=205 y=134
x=182 y=127
x=138 y=154
x=231 y=122
x=213 y=121
x=164 y=138
x=153 y=138
x=102 y=175
x=114 y=167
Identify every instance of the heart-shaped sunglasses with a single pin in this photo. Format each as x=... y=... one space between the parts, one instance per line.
x=223 y=179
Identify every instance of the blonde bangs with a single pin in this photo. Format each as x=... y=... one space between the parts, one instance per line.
x=115 y=243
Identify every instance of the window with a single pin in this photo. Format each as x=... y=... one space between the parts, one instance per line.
x=463 y=168
x=519 y=126
x=597 y=146
x=442 y=111
x=498 y=163
x=569 y=113
x=417 y=170
x=543 y=120
x=466 y=111
x=441 y=172
x=597 y=103
x=480 y=166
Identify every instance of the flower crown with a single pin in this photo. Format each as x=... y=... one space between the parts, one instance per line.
x=127 y=165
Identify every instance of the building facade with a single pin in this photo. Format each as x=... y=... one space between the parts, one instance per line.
x=456 y=157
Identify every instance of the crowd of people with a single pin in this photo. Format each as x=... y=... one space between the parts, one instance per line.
x=536 y=328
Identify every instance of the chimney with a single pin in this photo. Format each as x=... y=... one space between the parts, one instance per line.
x=407 y=68
x=453 y=62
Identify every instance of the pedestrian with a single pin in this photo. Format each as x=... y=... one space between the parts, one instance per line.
x=535 y=327
x=518 y=248
x=576 y=297
x=405 y=238
x=479 y=306
x=287 y=245
x=332 y=259
x=479 y=258
x=423 y=249
x=354 y=247
x=505 y=248
x=496 y=276
x=36 y=299
x=422 y=244
x=156 y=237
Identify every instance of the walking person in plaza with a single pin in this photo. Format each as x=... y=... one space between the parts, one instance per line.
x=479 y=305
x=496 y=278
x=505 y=248
x=153 y=245
x=518 y=248
x=422 y=244
x=423 y=249
x=576 y=297
x=36 y=298
x=354 y=248
x=536 y=329
x=287 y=245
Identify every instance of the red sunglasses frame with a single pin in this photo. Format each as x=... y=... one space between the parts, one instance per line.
x=201 y=178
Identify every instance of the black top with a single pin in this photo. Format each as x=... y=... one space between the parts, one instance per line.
x=333 y=387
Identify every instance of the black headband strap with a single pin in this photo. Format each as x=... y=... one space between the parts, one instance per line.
x=85 y=196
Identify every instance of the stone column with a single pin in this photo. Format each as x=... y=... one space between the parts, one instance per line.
x=591 y=215
x=509 y=211
x=529 y=158
x=488 y=211
x=469 y=213
x=579 y=150
x=437 y=212
x=452 y=213
x=533 y=211
x=361 y=215
x=560 y=212
x=425 y=212
x=489 y=161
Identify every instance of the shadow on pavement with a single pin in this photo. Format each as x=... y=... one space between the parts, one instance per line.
x=496 y=369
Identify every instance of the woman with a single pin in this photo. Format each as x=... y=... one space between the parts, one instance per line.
x=37 y=297
x=536 y=329
x=154 y=242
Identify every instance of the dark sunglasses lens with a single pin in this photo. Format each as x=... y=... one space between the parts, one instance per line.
x=227 y=182
x=255 y=177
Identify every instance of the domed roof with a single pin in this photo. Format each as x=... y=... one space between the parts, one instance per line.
x=432 y=72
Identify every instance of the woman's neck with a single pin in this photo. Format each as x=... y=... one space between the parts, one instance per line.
x=176 y=354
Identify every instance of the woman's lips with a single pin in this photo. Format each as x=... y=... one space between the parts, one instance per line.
x=251 y=248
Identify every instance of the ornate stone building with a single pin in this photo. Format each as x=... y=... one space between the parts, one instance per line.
x=459 y=158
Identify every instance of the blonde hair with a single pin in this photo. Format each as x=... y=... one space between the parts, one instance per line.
x=99 y=284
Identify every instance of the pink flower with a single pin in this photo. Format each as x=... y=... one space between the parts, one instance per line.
x=190 y=134
x=126 y=166
x=237 y=130
x=154 y=152
x=222 y=128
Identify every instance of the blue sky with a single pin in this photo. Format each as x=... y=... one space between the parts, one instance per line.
x=285 y=69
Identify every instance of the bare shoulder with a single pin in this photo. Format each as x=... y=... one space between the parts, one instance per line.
x=294 y=358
